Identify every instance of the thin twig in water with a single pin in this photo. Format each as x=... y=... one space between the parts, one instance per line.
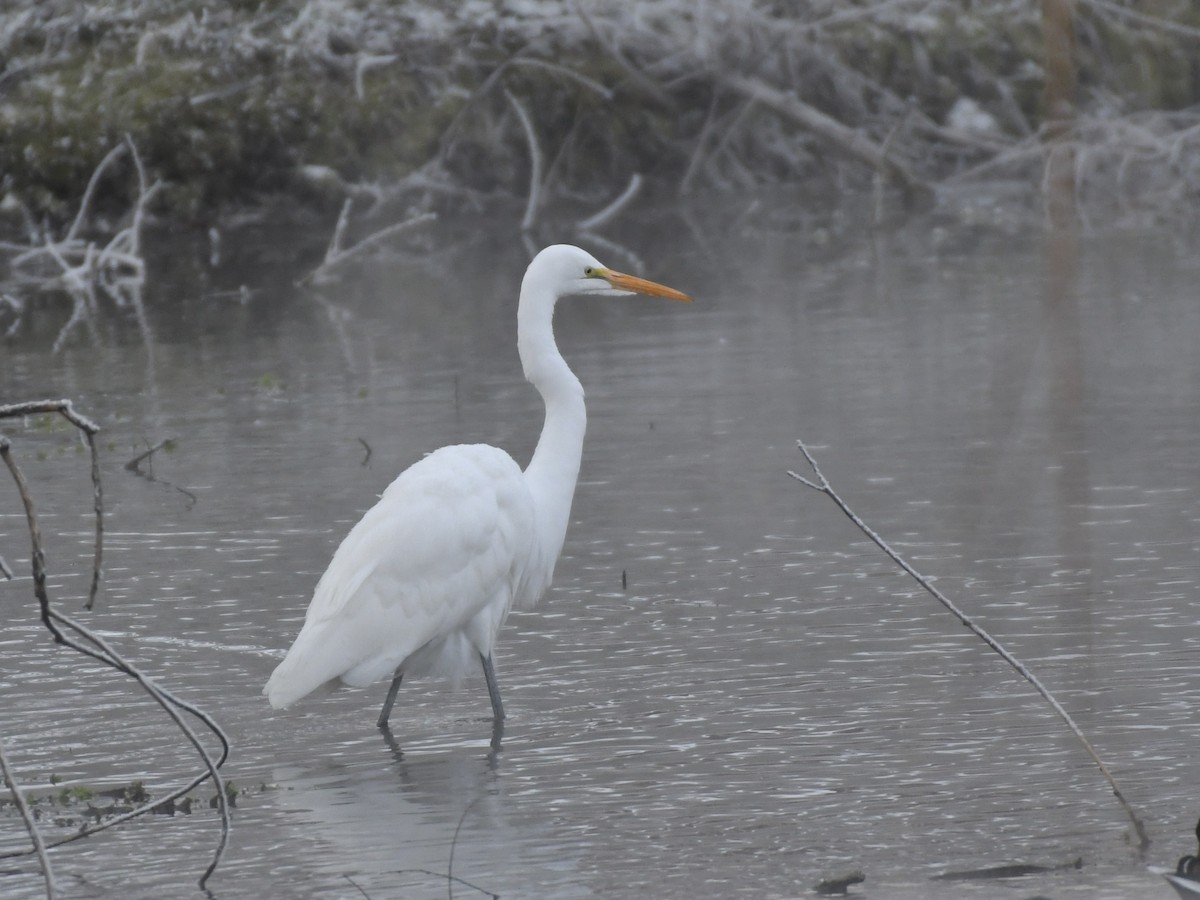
x=104 y=653
x=366 y=459
x=90 y=429
x=134 y=466
x=30 y=825
x=450 y=876
x=356 y=886
x=166 y=700
x=822 y=485
x=461 y=881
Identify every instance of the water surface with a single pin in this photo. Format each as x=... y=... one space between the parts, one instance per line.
x=729 y=691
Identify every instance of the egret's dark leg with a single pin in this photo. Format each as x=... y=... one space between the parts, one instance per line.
x=391 y=699
x=489 y=672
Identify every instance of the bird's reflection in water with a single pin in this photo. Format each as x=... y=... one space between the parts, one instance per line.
x=493 y=756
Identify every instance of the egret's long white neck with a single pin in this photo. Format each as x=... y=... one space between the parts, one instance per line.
x=552 y=472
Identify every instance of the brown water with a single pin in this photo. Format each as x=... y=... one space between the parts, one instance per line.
x=765 y=701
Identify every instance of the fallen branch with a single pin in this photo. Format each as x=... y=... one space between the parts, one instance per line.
x=644 y=82
x=822 y=485
x=82 y=266
x=1142 y=19
x=854 y=143
x=570 y=74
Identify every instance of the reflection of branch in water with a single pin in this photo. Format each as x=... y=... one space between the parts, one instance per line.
x=135 y=466
x=822 y=486
x=366 y=459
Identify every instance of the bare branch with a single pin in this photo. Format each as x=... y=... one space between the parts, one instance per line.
x=613 y=209
x=86 y=202
x=589 y=83
x=535 y=163
x=168 y=701
x=854 y=143
x=35 y=835
x=644 y=82
x=90 y=429
x=1143 y=19
x=822 y=484
x=335 y=257
x=366 y=63
x=100 y=650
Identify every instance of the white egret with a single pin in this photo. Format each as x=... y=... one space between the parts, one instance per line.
x=423 y=582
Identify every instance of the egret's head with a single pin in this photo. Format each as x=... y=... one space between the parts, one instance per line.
x=565 y=270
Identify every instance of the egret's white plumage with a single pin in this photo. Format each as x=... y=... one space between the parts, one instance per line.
x=423 y=582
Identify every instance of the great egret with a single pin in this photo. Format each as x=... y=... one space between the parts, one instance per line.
x=423 y=582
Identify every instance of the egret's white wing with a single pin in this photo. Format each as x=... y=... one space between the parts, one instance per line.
x=446 y=539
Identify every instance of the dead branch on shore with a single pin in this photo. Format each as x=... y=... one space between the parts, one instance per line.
x=533 y=200
x=850 y=141
x=811 y=92
x=83 y=264
x=821 y=485
x=614 y=209
x=82 y=268
x=70 y=633
x=336 y=256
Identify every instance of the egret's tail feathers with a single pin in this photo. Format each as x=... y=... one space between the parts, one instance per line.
x=284 y=687
x=303 y=670
x=320 y=655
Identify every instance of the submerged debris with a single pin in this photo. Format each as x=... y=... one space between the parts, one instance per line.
x=1010 y=870
x=839 y=884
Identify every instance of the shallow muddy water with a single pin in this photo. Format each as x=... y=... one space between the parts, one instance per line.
x=729 y=691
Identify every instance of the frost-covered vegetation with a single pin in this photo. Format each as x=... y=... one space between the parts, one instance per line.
x=552 y=106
